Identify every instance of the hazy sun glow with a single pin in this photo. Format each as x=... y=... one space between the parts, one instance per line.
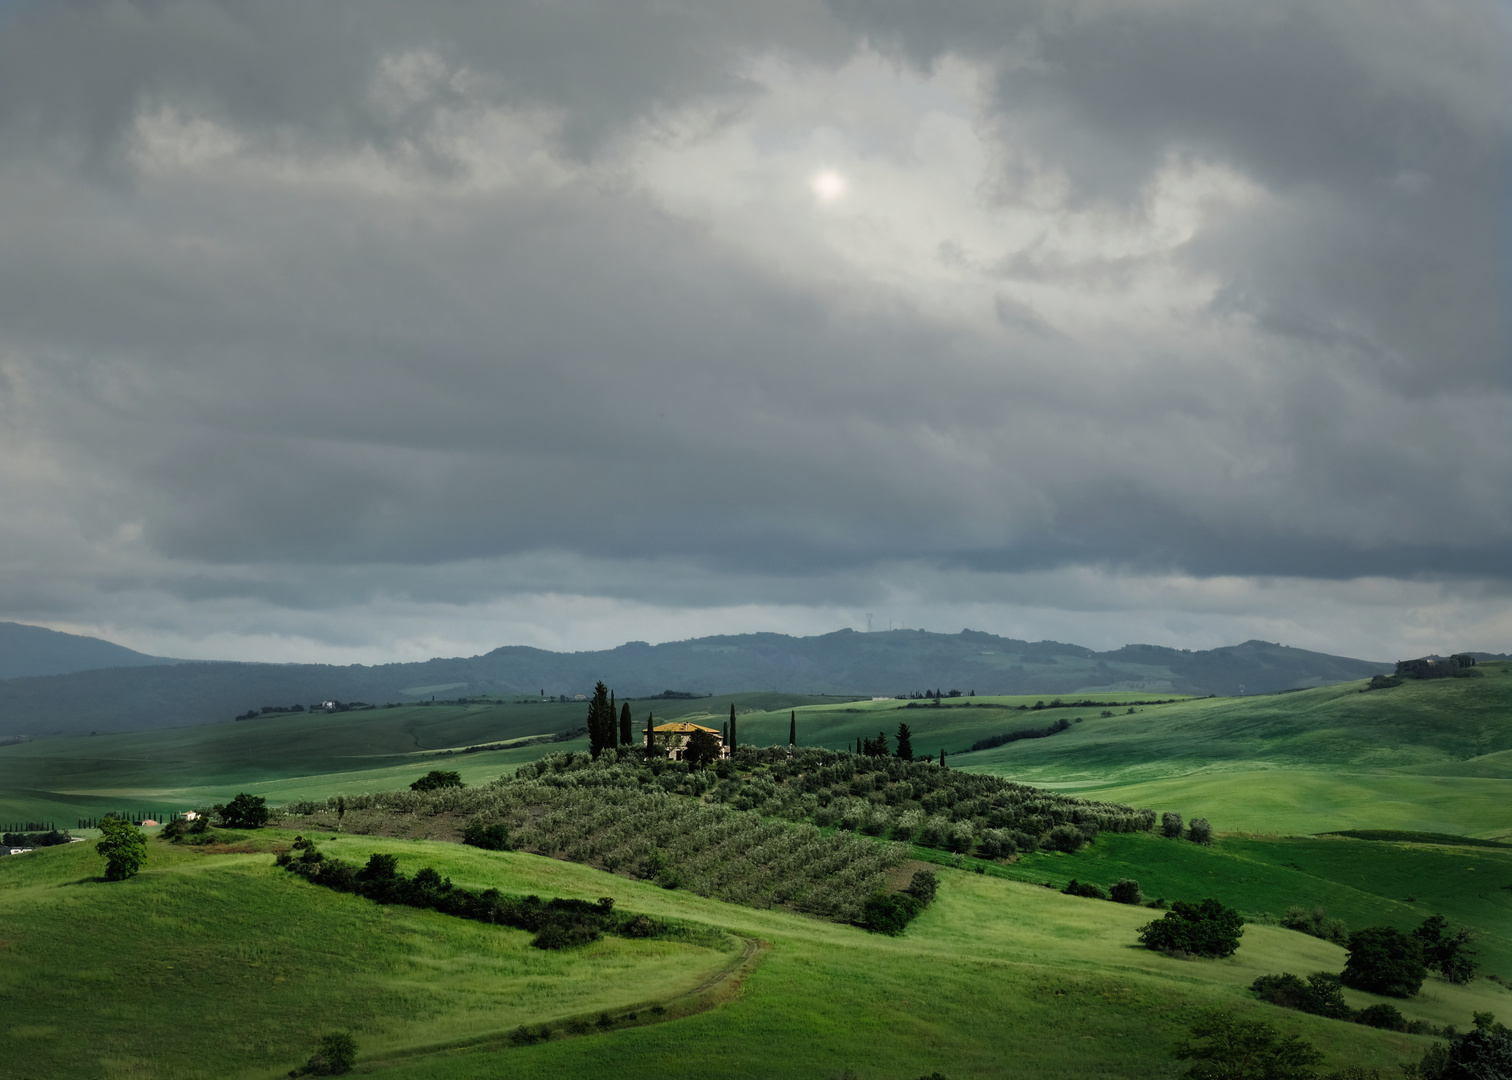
x=828 y=185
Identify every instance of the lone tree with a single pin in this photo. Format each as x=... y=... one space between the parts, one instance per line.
x=732 y=728
x=437 y=779
x=1205 y=929
x=905 y=742
x=1170 y=824
x=1447 y=951
x=123 y=845
x=244 y=812
x=1242 y=1049
x=1383 y=960
x=626 y=736
x=793 y=728
x=701 y=749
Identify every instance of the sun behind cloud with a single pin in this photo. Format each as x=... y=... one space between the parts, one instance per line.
x=828 y=185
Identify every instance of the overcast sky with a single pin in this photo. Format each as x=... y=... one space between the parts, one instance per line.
x=379 y=331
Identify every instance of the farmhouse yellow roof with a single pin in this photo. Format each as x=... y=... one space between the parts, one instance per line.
x=682 y=728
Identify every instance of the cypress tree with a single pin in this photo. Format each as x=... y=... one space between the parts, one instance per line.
x=650 y=739
x=727 y=734
x=626 y=735
x=611 y=730
x=733 y=736
x=600 y=721
x=793 y=728
x=942 y=757
x=905 y=742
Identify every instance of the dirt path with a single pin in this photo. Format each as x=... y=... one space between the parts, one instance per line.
x=722 y=986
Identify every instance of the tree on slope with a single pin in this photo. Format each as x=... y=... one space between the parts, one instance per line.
x=905 y=742
x=123 y=845
x=626 y=735
x=793 y=728
x=1383 y=960
x=733 y=736
x=1235 y=1049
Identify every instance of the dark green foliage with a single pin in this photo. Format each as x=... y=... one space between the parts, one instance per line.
x=491 y=837
x=1199 y=831
x=889 y=912
x=35 y=840
x=246 y=811
x=124 y=847
x=1446 y=951
x=1383 y=682
x=734 y=739
x=793 y=728
x=1383 y=960
x=601 y=721
x=1385 y=1016
x=1023 y=733
x=1067 y=838
x=1170 y=824
x=702 y=748
x=876 y=747
x=1484 y=1053
x=336 y=1055
x=437 y=779
x=905 y=742
x=557 y=923
x=626 y=726
x=1204 y=929
x=1321 y=994
x=1235 y=1049
x=923 y=885
x=1126 y=891
x=1085 y=888
x=1315 y=921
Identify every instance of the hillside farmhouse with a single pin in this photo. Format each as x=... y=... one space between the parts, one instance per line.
x=672 y=739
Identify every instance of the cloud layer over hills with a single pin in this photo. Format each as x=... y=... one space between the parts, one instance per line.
x=375 y=332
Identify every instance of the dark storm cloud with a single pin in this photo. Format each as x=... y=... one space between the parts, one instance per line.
x=270 y=329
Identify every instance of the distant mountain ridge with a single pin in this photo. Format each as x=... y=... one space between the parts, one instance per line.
x=35 y=650
x=845 y=662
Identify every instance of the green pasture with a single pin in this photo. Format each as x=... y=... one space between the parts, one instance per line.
x=223 y=965
x=300 y=755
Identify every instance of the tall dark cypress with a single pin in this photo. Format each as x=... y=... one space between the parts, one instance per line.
x=733 y=736
x=942 y=757
x=650 y=739
x=626 y=735
x=905 y=742
x=727 y=734
x=793 y=728
x=600 y=720
x=611 y=730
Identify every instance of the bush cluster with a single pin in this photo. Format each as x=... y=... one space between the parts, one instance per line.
x=557 y=923
x=891 y=912
x=1204 y=929
x=1124 y=891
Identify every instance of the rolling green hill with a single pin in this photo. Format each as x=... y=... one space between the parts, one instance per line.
x=221 y=965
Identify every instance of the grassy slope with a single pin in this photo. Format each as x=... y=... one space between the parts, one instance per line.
x=999 y=978
x=1425 y=755
x=286 y=757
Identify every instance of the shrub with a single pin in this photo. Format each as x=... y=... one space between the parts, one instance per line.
x=492 y=837
x=1383 y=960
x=1199 y=831
x=1170 y=824
x=1205 y=929
x=889 y=913
x=1242 y=1049
x=336 y=1054
x=923 y=886
x=1067 y=838
x=437 y=779
x=1320 y=995
x=1126 y=891
x=1317 y=923
x=1085 y=888
x=1385 y=1016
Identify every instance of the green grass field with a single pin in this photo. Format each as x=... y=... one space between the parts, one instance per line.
x=222 y=965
